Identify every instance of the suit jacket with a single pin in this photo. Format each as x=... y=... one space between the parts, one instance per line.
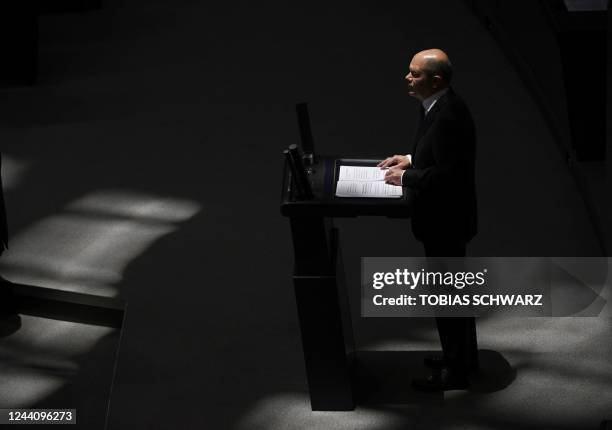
x=3 y=227
x=442 y=173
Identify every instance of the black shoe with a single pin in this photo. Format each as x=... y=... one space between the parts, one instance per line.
x=437 y=362
x=440 y=381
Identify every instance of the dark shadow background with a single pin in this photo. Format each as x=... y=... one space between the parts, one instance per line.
x=195 y=101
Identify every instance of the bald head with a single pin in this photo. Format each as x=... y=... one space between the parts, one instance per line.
x=430 y=72
x=436 y=62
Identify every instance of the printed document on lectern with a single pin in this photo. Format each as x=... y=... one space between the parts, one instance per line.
x=363 y=181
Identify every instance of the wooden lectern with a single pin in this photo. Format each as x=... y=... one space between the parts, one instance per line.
x=322 y=302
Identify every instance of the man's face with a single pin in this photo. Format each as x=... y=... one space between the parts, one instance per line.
x=420 y=84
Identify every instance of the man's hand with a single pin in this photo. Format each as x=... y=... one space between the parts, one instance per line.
x=394 y=176
x=401 y=161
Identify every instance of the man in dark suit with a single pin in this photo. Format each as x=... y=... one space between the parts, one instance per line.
x=440 y=170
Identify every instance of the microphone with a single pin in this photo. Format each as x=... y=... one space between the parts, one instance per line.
x=305 y=132
x=298 y=173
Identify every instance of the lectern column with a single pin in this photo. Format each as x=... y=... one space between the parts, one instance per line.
x=320 y=315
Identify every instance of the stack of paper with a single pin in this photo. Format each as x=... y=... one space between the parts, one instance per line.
x=361 y=181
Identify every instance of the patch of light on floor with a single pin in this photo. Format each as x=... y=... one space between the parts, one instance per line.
x=541 y=393
x=73 y=253
x=39 y=358
x=543 y=335
x=291 y=411
x=137 y=205
x=13 y=171
x=87 y=248
x=586 y=5
x=21 y=389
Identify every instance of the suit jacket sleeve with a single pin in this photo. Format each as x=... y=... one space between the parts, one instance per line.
x=449 y=156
